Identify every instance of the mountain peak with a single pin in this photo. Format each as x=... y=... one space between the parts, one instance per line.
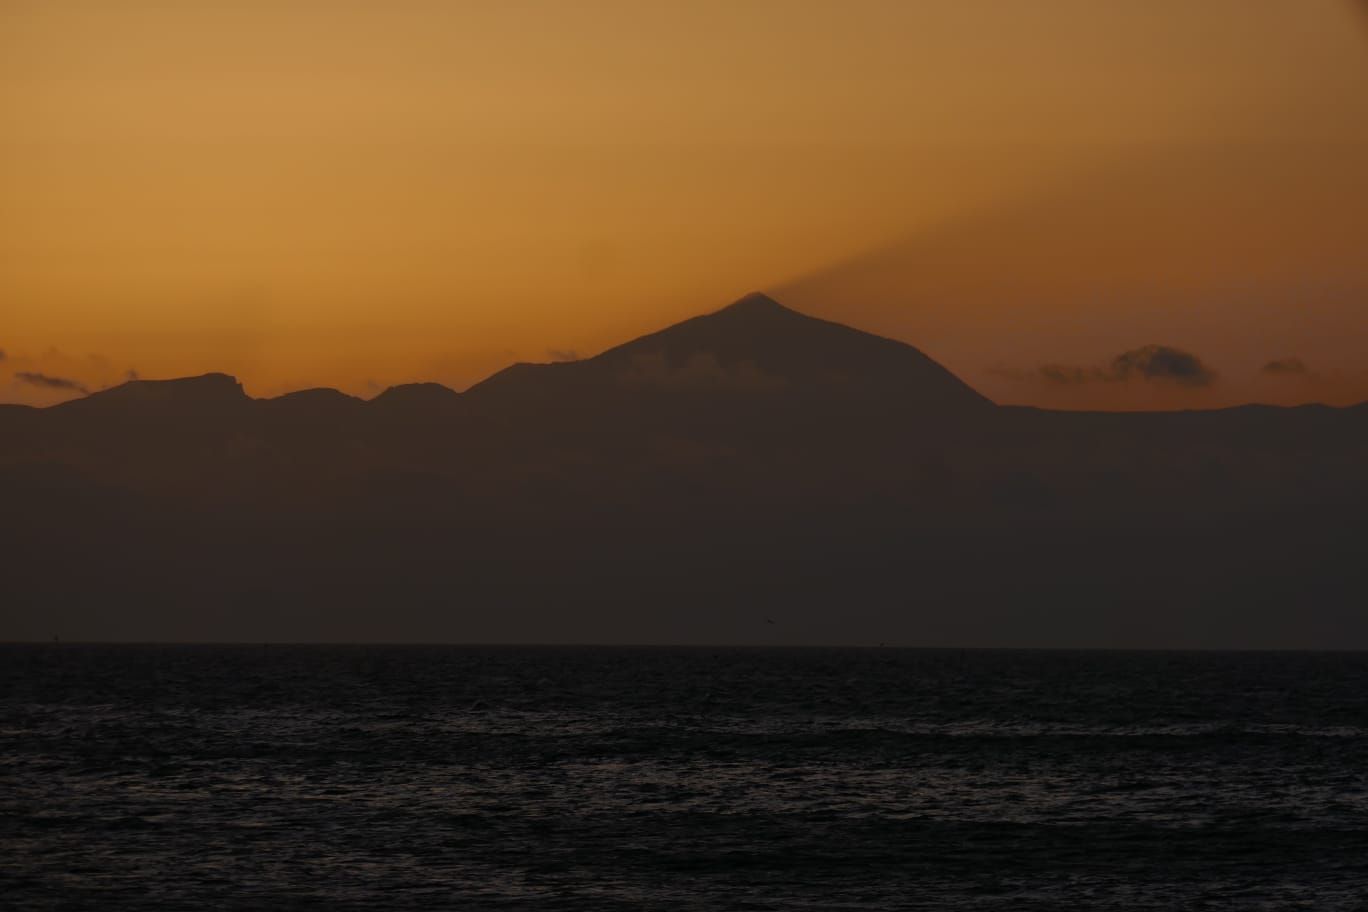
x=416 y=397
x=756 y=302
x=314 y=394
x=404 y=390
x=322 y=400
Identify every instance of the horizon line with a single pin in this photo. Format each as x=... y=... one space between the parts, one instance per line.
x=748 y=299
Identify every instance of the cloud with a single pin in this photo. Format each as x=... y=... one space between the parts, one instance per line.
x=563 y=354
x=49 y=382
x=1160 y=362
x=1286 y=367
x=1147 y=363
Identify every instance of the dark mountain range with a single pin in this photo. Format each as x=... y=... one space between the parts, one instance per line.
x=683 y=487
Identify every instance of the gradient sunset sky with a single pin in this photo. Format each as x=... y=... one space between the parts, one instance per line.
x=357 y=194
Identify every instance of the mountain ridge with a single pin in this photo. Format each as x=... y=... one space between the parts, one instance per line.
x=729 y=350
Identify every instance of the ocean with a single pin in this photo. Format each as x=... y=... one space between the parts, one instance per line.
x=393 y=777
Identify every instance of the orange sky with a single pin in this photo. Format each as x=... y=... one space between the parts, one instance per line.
x=356 y=194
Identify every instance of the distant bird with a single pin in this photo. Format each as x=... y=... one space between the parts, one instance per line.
x=769 y=620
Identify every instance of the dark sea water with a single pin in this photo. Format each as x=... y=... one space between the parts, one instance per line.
x=184 y=777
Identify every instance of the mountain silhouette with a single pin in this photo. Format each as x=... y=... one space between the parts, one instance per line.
x=312 y=411
x=204 y=394
x=754 y=347
x=416 y=396
x=318 y=399
x=753 y=462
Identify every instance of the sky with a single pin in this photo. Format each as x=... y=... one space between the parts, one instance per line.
x=1068 y=203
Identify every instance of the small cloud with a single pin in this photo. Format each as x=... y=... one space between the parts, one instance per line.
x=48 y=382
x=563 y=354
x=1286 y=367
x=1160 y=362
x=1147 y=363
